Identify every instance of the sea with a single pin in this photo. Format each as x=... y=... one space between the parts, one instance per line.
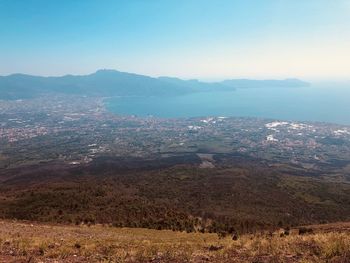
x=316 y=103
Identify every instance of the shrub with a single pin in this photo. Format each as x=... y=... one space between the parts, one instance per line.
x=305 y=230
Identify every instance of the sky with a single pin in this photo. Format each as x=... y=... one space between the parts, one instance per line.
x=205 y=39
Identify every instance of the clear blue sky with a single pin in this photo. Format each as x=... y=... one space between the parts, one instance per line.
x=208 y=39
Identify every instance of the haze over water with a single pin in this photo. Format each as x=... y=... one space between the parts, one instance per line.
x=315 y=103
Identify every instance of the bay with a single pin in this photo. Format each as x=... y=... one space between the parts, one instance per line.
x=314 y=103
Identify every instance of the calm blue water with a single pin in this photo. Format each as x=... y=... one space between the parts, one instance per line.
x=303 y=104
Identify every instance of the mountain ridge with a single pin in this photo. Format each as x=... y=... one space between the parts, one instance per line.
x=108 y=82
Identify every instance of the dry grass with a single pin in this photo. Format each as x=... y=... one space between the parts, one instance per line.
x=26 y=242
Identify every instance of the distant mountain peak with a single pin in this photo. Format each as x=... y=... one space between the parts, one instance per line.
x=106 y=71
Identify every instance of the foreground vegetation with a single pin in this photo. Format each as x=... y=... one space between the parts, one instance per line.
x=243 y=199
x=33 y=242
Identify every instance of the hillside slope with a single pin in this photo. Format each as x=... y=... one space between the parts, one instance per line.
x=32 y=242
x=245 y=197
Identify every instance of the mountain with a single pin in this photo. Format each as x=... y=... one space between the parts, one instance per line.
x=115 y=83
x=100 y=83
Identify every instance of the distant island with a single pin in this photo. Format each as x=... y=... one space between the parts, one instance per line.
x=115 y=83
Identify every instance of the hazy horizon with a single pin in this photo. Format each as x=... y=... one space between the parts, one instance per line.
x=317 y=82
x=186 y=39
